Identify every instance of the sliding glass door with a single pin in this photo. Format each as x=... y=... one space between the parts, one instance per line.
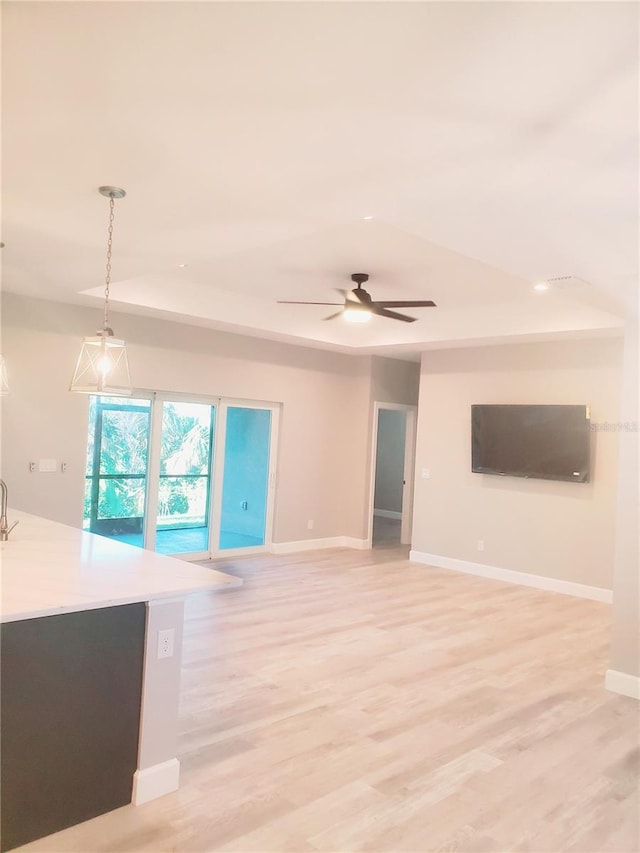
x=117 y=466
x=245 y=480
x=184 y=484
x=193 y=478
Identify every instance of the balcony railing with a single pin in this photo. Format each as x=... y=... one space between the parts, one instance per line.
x=183 y=502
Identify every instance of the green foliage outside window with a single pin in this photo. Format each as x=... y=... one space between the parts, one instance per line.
x=124 y=448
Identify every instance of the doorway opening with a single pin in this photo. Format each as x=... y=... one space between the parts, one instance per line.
x=392 y=475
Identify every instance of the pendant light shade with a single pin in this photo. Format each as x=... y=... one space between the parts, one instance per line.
x=103 y=366
x=4 y=381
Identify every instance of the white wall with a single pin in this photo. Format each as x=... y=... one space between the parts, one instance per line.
x=555 y=529
x=395 y=381
x=322 y=464
x=392 y=425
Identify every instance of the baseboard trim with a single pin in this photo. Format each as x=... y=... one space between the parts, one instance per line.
x=578 y=590
x=155 y=781
x=623 y=683
x=318 y=544
x=358 y=544
x=387 y=513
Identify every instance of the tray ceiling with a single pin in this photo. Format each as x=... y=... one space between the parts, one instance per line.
x=494 y=145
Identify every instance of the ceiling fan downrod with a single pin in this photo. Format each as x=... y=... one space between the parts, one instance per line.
x=359 y=278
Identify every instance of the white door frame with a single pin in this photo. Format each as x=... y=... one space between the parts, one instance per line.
x=409 y=469
x=216 y=472
x=216 y=502
x=151 y=516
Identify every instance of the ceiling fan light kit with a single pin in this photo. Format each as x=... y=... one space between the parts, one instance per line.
x=356 y=313
x=359 y=307
x=103 y=366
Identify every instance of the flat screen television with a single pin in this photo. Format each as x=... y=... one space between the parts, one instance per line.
x=544 y=442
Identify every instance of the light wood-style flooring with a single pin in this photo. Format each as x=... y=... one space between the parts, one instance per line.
x=352 y=701
x=386 y=532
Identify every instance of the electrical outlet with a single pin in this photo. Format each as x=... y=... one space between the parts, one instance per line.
x=310 y=524
x=426 y=473
x=480 y=544
x=244 y=505
x=165 y=643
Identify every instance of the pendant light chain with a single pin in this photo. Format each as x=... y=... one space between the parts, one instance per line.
x=112 y=205
x=103 y=366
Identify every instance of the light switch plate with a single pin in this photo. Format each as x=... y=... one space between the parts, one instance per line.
x=47 y=466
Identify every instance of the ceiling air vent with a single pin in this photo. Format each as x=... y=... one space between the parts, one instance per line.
x=566 y=282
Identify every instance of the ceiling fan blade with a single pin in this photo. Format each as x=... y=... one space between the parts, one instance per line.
x=288 y=302
x=392 y=315
x=333 y=316
x=406 y=303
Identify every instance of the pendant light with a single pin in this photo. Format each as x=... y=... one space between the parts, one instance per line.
x=4 y=381
x=103 y=366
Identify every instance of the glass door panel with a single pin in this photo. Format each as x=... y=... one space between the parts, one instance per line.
x=184 y=488
x=153 y=479
x=245 y=477
x=116 y=473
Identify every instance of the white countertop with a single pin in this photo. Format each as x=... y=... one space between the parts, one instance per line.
x=49 y=568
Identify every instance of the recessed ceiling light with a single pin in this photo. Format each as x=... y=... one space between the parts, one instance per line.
x=182 y=266
x=368 y=217
x=541 y=286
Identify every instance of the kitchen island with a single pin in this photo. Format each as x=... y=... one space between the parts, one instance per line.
x=90 y=680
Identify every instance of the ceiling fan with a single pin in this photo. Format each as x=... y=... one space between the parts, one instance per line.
x=359 y=307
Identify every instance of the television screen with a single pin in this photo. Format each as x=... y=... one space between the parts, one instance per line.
x=545 y=442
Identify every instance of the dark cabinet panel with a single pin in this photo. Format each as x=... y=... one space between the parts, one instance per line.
x=70 y=696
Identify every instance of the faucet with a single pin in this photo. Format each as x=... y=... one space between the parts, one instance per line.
x=5 y=530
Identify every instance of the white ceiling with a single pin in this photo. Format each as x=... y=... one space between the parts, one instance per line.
x=496 y=144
